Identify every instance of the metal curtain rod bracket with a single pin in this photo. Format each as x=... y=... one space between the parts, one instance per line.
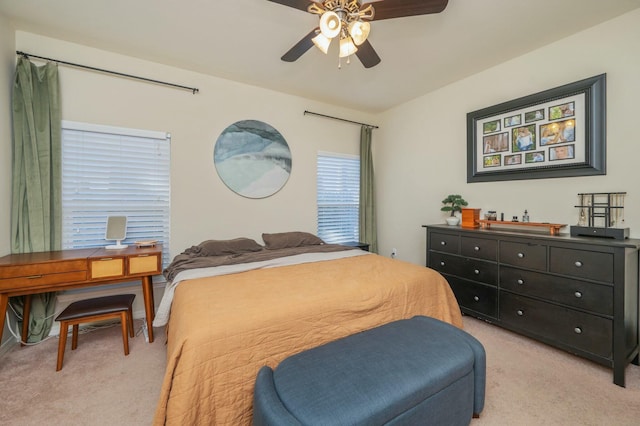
x=341 y=119
x=135 y=77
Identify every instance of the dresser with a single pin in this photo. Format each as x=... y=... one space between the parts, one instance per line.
x=31 y=273
x=579 y=294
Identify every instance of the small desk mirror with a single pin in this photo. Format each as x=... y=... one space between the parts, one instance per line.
x=116 y=230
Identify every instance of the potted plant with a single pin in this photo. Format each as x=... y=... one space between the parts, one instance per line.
x=453 y=203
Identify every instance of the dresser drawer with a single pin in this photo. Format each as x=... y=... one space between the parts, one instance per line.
x=472 y=269
x=560 y=325
x=444 y=242
x=575 y=293
x=445 y=263
x=475 y=297
x=479 y=270
x=532 y=256
x=595 y=266
x=480 y=248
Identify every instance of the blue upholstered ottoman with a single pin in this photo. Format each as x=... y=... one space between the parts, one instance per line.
x=419 y=371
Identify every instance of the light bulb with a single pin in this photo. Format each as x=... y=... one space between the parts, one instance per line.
x=359 y=31
x=330 y=24
x=321 y=42
x=347 y=48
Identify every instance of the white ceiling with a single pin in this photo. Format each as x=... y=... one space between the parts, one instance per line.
x=243 y=40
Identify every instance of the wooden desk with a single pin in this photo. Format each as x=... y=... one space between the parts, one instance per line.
x=31 y=273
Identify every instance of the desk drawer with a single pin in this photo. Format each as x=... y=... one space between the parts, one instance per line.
x=45 y=268
x=106 y=267
x=36 y=281
x=144 y=264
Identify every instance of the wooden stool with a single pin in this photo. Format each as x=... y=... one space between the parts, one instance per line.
x=96 y=309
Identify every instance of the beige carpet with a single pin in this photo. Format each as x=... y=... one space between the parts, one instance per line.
x=527 y=383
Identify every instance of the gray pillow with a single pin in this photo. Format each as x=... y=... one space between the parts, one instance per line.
x=226 y=247
x=290 y=239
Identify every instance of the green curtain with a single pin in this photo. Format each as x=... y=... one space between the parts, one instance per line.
x=36 y=223
x=368 y=230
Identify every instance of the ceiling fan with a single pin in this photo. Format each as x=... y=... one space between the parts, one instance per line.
x=348 y=21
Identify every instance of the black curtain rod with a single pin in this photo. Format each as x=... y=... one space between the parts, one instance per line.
x=148 y=80
x=341 y=119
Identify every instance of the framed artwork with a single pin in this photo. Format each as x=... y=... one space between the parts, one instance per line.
x=252 y=159
x=559 y=132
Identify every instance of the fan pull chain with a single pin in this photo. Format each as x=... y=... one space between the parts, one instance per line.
x=340 y=63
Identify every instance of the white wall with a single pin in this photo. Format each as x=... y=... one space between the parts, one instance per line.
x=421 y=157
x=7 y=65
x=201 y=205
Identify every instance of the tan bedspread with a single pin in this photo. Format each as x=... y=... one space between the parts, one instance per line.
x=223 y=329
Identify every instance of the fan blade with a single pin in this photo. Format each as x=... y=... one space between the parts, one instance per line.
x=301 y=47
x=296 y=4
x=367 y=55
x=390 y=9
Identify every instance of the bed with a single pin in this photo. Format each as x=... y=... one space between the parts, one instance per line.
x=257 y=307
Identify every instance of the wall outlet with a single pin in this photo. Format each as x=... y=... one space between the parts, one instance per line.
x=394 y=252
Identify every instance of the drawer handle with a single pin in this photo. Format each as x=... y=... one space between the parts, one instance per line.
x=520 y=282
x=143 y=255
x=520 y=312
x=577 y=330
x=443 y=243
x=106 y=258
x=578 y=294
x=441 y=263
x=34 y=277
x=477 y=272
x=476 y=248
x=476 y=298
x=521 y=255
x=578 y=264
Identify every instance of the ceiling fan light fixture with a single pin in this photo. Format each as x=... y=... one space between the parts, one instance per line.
x=359 y=31
x=336 y=18
x=322 y=42
x=347 y=47
x=367 y=12
x=330 y=24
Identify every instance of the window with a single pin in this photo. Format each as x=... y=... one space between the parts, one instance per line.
x=338 y=197
x=109 y=171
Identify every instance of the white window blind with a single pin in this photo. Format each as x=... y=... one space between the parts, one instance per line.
x=338 y=192
x=110 y=171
